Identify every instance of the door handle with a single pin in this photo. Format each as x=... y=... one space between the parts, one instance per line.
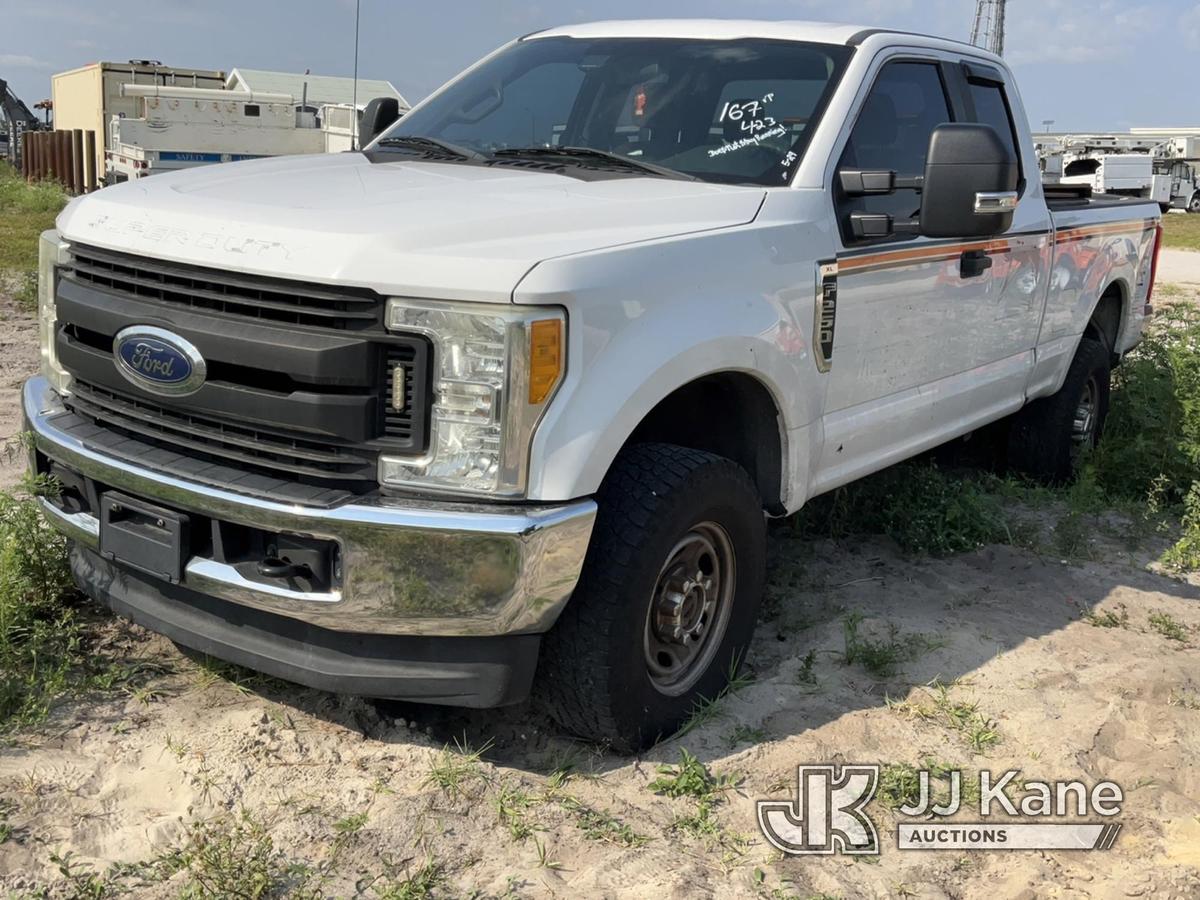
x=974 y=263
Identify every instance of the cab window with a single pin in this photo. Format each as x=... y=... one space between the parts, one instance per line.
x=991 y=108
x=907 y=102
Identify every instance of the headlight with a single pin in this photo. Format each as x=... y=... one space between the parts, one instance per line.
x=495 y=370
x=52 y=253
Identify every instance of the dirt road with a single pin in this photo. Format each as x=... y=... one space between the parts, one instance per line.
x=1180 y=267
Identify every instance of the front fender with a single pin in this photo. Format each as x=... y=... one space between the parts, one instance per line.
x=647 y=320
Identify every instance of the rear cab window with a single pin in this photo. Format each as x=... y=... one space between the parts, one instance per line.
x=989 y=105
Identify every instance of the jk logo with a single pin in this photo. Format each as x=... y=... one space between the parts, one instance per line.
x=827 y=815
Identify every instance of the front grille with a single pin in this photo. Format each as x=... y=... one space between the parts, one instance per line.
x=298 y=411
x=271 y=299
x=208 y=439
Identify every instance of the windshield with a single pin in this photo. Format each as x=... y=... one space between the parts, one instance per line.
x=738 y=111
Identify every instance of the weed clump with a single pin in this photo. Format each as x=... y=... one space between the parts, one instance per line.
x=41 y=642
x=882 y=657
x=1151 y=440
x=690 y=779
x=922 y=507
x=1151 y=448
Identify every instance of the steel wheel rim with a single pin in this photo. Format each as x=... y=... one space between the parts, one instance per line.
x=689 y=608
x=1083 y=426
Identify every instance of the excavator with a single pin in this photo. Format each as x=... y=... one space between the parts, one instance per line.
x=15 y=117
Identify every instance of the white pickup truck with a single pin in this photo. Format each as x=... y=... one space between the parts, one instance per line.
x=503 y=402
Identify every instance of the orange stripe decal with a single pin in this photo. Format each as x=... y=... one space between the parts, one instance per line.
x=1084 y=232
x=939 y=253
x=888 y=259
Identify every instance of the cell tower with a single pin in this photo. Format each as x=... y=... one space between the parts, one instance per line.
x=988 y=32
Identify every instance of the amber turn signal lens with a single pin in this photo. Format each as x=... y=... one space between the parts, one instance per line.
x=545 y=358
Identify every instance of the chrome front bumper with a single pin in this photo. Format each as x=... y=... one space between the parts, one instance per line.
x=409 y=567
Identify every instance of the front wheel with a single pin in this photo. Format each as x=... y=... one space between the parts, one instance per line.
x=1050 y=436
x=1194 y=204
x=667 y=601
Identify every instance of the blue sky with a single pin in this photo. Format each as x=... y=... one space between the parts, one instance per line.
x=1088 y=64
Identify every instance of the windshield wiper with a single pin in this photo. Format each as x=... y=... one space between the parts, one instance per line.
x=584 y=155
x=432 y=146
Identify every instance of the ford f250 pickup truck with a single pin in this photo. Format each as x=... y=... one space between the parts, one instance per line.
x=501 y=403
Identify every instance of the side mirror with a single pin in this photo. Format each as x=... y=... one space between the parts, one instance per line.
x=970 y=184
x=377 y=117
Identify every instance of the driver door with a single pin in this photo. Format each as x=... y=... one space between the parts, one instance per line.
x=918 y=353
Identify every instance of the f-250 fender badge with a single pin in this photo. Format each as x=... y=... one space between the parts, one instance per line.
x=825 y=315
x=158 y=361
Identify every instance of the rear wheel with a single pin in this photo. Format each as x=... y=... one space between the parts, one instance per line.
x=667 y=601
x=1050 y=436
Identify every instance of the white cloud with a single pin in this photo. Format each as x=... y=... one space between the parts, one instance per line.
x=20 y=61
x=1058 y=31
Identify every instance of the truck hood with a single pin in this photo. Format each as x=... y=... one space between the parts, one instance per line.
x=405 y=227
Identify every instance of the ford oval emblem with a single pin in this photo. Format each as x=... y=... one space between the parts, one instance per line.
x=158 y=361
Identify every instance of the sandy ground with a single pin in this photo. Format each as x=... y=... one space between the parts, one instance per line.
x=120 y=779
x=18 y=360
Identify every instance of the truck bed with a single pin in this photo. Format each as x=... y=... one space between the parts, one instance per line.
x=1070 y=197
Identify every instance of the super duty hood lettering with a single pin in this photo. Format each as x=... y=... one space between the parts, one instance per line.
x=409 y=227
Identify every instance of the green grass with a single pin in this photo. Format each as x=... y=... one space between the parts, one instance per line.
x=453 y=771
x=46 y=635
x=976 y=729
x=882 y=658
x=418 y=884
x=1151 y=445
x=922 y=507
x=597 y=824
x=1182 y=232
x=1168 y=627
x=512 y=811
x=43 y=652
x=235 y=857
x=26 y=210
x=1185 y=555
x=691 y=779
x=900 y=784
x=806 y=674
x=1108 y=618
x=746 y=734
x=706 y=710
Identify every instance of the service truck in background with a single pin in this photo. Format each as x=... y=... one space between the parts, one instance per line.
x=501 y=404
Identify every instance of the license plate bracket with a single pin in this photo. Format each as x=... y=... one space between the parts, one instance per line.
x=143 y=536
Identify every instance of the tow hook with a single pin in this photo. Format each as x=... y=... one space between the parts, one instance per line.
x=274 y=567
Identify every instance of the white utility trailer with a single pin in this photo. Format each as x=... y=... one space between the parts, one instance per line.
x=178 y=128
